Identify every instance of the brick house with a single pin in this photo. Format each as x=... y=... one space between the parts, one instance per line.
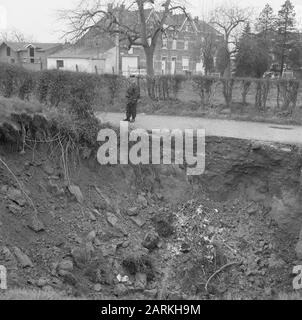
x=31 y=56
x=176 y=50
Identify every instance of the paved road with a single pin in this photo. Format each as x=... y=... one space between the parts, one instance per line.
x=214 y=127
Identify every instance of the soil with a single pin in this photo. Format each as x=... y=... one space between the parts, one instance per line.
x=152 y=232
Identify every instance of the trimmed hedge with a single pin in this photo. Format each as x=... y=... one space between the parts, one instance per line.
x=81 y=91
x=53 y=87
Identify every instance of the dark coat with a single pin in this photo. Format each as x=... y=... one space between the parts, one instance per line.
x=133 y=94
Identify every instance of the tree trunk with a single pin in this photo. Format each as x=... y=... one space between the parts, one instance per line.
x=149 y=52
x=227 y=71
x=282 y=61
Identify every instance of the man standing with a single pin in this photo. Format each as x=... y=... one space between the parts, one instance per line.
x=132 y=96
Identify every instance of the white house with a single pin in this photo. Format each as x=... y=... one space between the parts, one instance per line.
x=81 y=59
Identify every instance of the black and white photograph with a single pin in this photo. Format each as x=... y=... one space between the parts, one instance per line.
x=150 y=152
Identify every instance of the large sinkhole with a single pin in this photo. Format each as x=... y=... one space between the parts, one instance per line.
x=152 y=231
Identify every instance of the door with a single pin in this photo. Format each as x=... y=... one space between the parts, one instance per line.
x=173 y=65
x=163 y=65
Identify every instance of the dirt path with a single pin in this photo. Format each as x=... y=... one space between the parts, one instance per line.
x=214 y=127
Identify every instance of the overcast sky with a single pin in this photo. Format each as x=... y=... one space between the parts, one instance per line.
x=38 y=18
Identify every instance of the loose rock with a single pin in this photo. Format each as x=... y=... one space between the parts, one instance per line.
x=137 y=220
x=132 y=211
x=92 y=216
x=97 y=287
x=140 y=281
x=142 y=201
x=65 y=265
x=112 y=219
x=91 y=236
x=36 y=224
x=23 y=259
x=80 y=256
x=16 y=196
x=151 y=240
x=76 y=191
x=14 y=209
x=120 y=290
x=42 y=282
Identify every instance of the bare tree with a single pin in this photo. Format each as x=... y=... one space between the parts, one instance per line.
x=113 y=19
x=15 y=35
x=229 y=19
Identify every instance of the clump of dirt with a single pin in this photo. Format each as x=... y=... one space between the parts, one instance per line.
x=77 y=229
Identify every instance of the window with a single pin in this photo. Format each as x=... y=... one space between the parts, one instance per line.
x=32 y=54
x=186 y=47
x=185 y=63
x=173 y=65
x=31 y=51
x=8 y=51
x=174 y=44
x=188 y=28
x=165 y=43
x=60 y=64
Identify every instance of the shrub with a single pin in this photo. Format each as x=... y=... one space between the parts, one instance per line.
x=176 y=83
x=205 y=87
x=59 y=87
x=114 y=84
x=42 y=86
x=287 y=94
x=245 y=87
x=15 y=80
x=262 y=91
x=228 y=85
x=26 y=85
x=162 y=87
x=82 y=94
x=76 y=90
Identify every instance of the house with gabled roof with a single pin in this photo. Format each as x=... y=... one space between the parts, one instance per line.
x=30 y=55
x=176 y=51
